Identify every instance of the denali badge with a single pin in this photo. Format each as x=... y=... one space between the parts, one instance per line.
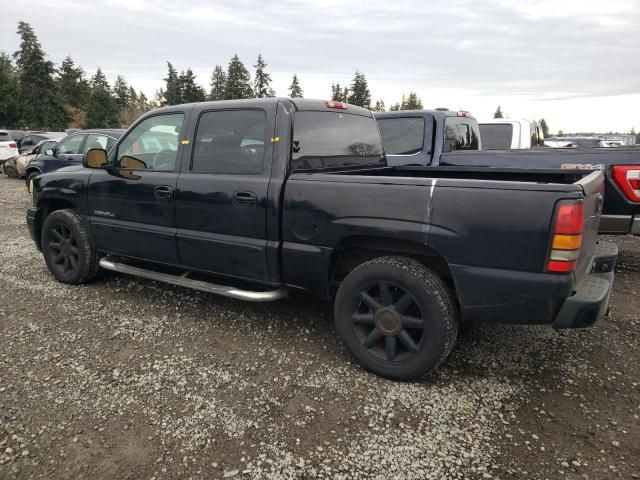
x=104 y=213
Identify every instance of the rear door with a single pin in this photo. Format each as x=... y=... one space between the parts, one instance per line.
x=221 y=198
x=132 y=202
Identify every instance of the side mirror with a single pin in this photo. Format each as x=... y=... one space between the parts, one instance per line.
x=49 y=152
x=95 y=158
x=132 y=163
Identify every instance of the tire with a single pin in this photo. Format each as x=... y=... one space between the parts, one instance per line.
x=11 y=171
x=396 y=317
x=67 y=248
x=30 y=176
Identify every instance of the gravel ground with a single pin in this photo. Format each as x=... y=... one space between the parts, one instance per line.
x=128 y=378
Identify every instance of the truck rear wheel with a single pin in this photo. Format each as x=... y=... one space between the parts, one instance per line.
x=67 y=248
x=396 y=317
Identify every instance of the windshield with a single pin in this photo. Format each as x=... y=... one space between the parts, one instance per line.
x=335 y=140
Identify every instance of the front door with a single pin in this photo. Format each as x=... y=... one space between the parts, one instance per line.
x=132 y=201
x=222 y=194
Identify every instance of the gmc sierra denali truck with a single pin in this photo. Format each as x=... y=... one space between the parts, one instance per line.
x=252 y=198
x=453 y=139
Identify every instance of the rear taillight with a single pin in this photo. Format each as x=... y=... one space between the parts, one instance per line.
x=627 y=177
x=567 y=237
x=13 y=145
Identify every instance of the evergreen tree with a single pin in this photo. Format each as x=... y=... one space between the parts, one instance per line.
x=498 y=113
x=632 y=131
x=42 y=107
x=379 y=106
x=218 y=81
x=412 y=102
x=121 y=93
x=338 y=94
x=262 y=82
x=238 y=80
x=360 y=94
x=295 y=91
x=9 y=94
x=73 y=87
x=102 y=111
x=545 y=127
x=138 y=104
x=173 y=93
x=190 y=90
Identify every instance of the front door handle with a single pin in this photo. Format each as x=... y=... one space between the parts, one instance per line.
x=163 y=192
x=245 y=199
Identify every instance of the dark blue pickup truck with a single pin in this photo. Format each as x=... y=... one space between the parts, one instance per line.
x=252 y=198
x=452 y=140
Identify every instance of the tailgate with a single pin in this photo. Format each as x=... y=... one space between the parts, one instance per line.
x=593 y=188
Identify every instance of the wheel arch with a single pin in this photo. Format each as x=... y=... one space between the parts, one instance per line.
x=45 y=207
x=355 y=250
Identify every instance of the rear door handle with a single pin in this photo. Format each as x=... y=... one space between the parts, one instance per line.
x=163 y=192
x=245 y=199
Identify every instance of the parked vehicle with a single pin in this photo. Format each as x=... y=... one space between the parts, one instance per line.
x=8 y=147
x=70 y=150
x=265 y=195
x=507 y=133
x=555 y=143
x=31 y=139
x=18 y=165
x=430 y=140
x=17 y=135
x=580 y=141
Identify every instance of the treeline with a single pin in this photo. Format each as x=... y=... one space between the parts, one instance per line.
x=37 y=94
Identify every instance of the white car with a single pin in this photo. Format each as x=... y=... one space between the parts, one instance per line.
x=8 y=147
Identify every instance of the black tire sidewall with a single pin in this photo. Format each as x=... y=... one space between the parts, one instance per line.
x=434 y=308
x=63 y=217
x=31 y=176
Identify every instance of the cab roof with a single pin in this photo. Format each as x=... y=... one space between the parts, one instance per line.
x=300 y=104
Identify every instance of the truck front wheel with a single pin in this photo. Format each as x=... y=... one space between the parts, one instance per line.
x=396 y=317
x=67 y=248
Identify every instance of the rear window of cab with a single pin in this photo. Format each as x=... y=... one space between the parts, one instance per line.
x=326 y=140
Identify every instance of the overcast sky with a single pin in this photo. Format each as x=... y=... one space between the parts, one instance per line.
x=574 y=62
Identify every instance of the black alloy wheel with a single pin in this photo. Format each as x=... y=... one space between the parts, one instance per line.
x=388 y=322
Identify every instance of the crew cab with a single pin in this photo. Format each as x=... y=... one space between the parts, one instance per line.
x=251 y=199
x=432 y=139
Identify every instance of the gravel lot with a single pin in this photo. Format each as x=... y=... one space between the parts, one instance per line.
x=127 y=378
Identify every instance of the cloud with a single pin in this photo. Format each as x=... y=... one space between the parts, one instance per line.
x=496 y=48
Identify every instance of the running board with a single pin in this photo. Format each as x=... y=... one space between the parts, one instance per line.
x=225 y=291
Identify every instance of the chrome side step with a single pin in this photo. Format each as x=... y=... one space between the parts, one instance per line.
x=232 y=292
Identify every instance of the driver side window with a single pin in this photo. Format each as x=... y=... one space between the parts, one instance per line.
x=152 y=144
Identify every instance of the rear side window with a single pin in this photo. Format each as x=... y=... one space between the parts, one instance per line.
x=335 y=140
x=402 y=136
x=460 y=135
x=98 y=141
x=496 y=136
x=230 y=142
